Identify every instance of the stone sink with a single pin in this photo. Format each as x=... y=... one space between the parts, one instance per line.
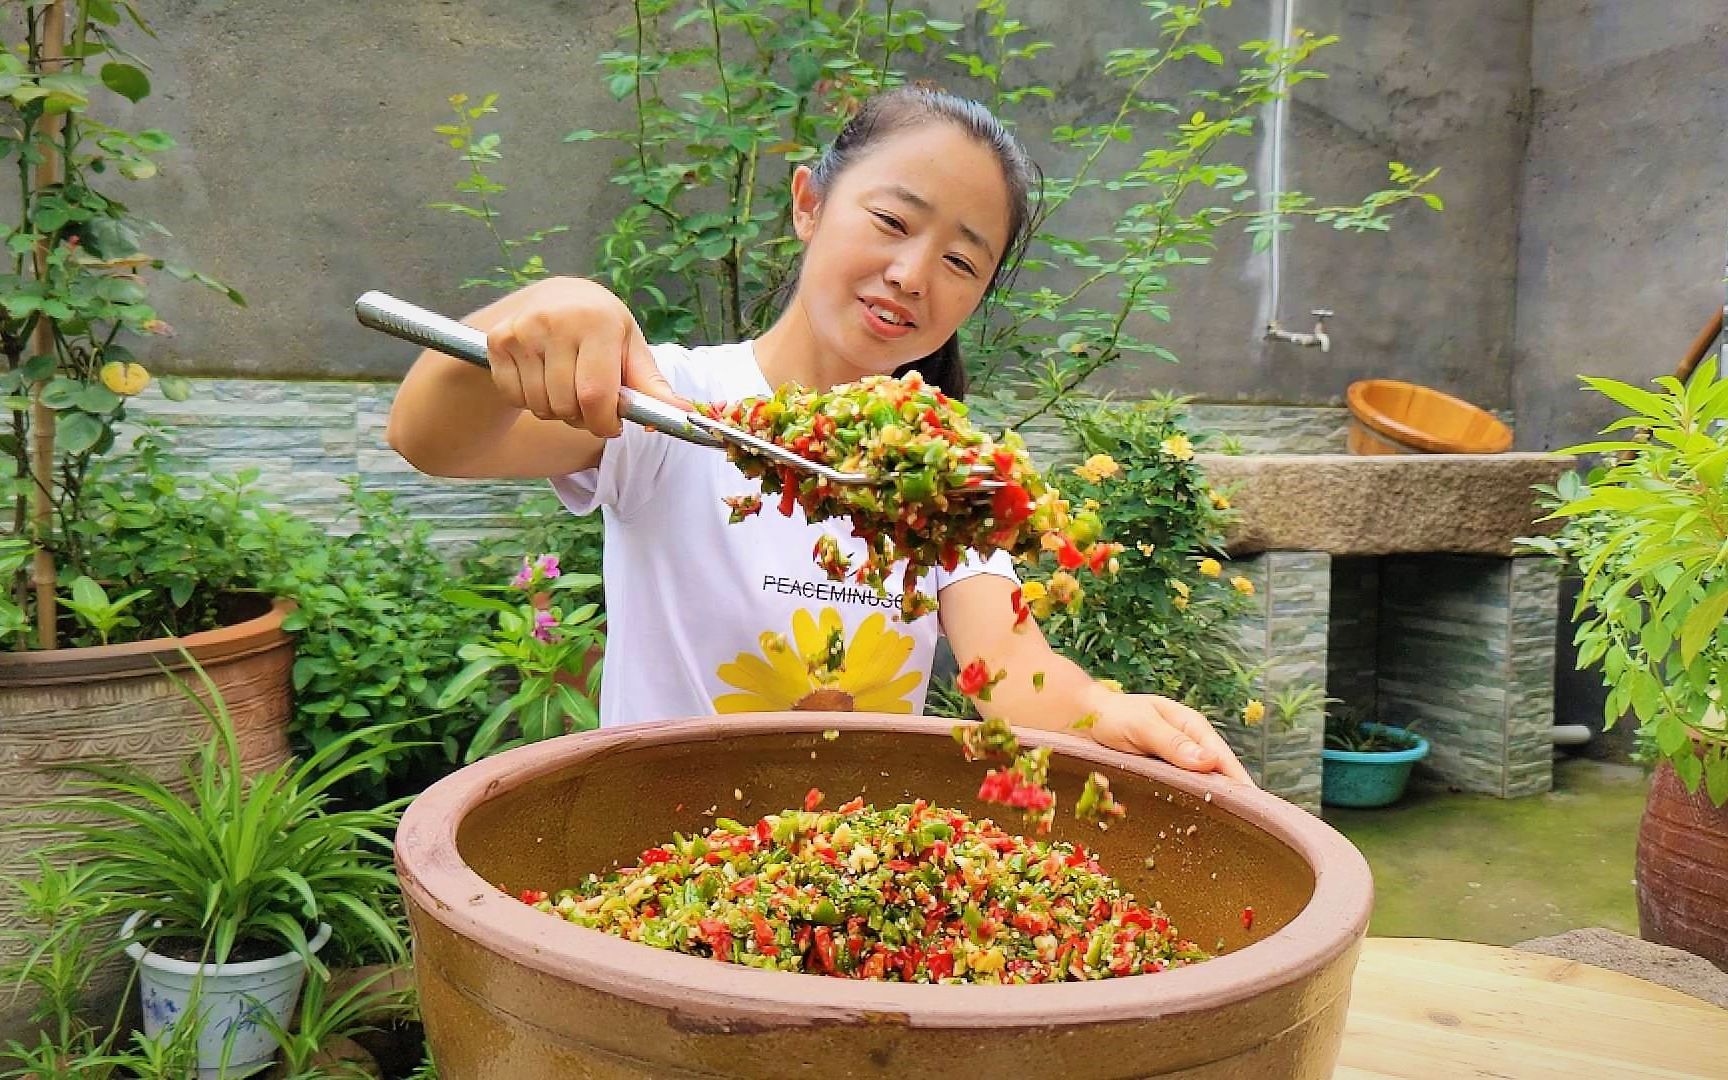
x=1345 y=504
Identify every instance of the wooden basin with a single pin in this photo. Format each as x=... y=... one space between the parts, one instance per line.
x=509 y=991
x=1392 y=417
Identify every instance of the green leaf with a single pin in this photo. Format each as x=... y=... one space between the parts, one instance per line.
x=62 y=393
x=1671 y=735
x=466 y=681
x=1701 y=624
x=1646 y=696
x=77 y=432
x=127 y=81
x=486 y=737
x=1689 y=769
x=98 y=399
x=1641 y=401
x=175 y=387
x=86 y=593
x=1716 y=779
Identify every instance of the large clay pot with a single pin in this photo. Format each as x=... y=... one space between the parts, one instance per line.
x=509 y=991
x=1682 y=870
x=114 y=703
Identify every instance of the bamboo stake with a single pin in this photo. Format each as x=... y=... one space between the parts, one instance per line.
x=41 y=417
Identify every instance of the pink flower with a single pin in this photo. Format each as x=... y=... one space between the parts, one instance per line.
x=534 y=571
x=544 y=623
x=524 y=577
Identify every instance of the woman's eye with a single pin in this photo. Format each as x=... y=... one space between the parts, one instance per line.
x=962 y=265
x=889 y=220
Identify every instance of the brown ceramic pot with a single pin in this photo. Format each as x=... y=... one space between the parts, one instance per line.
x=1682 y=870
x=113 y=703
x=509 y=991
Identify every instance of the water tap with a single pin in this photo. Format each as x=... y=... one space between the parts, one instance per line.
x=1296 y=337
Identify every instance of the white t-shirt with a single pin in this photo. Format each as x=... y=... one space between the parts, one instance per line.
x=706 y=617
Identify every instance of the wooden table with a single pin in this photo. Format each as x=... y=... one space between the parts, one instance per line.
x=1447 y=1010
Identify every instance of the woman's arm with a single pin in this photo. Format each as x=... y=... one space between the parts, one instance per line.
x=978 y=616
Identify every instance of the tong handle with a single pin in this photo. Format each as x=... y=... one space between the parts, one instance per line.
x=412 y=323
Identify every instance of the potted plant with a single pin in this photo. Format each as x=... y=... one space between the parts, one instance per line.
x=84 y=637
x=230 y=890
x=1364 y=763
x=75 y=296
x=1647 y=529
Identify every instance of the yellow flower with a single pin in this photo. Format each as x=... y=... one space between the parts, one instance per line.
x=1145 y=548
x=865 y=674
x=1181 y=603
x=1098 y=468
x=1180 y=586
x=1178 y=447
x=124 y=379
x=1242 y=585
x=1111 y=685
x=1219 y=502
x=1253 y=712
x=1036 y=597
x=1210 y=567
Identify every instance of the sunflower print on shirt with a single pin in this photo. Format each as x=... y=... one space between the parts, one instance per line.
x=818 y=669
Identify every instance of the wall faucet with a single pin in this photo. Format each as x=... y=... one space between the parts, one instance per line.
x=1295 y=337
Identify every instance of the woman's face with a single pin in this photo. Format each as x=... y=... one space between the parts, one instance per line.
x=898 y=252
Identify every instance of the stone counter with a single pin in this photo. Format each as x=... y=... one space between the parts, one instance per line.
x=1342 y=504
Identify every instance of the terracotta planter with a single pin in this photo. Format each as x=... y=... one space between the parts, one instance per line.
x=508 y=991
x=113 y=703
x=1682 y=870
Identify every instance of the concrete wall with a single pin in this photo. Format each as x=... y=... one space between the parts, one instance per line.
x=1625 y=221
x=307 y=157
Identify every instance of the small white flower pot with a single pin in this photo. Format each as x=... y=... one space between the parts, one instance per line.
x=231 y=999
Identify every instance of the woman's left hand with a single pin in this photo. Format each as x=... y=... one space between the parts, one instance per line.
x=1148 y=724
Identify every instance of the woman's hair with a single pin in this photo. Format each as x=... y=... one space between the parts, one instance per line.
x=908 y=107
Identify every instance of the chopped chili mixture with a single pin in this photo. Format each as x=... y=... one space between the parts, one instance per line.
x=912 y=893
x=919 y=441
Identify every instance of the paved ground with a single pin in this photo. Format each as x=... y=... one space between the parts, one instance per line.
x=1501 y=871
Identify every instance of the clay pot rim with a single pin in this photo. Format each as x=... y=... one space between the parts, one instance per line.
x=1356 y=394
x=435 y=879
x=134 y=659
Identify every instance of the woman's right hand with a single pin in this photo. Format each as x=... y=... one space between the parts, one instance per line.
x=565 y=347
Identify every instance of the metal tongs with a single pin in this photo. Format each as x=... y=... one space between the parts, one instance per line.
x=399 y=318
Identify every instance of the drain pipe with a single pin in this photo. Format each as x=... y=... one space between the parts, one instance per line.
x=1283 y=21
x=1571 y=734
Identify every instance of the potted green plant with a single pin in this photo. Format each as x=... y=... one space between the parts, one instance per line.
x=230 y=889
x=1364 y=763
x=83 y=638
x=1646 y=529
x=76 y=294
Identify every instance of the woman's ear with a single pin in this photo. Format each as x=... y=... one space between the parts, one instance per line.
x=806 y=201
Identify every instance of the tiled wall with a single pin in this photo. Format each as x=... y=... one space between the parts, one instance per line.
x=1467 y=654
x=1286 y=636
x=306 y=438
x=1353 y=643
